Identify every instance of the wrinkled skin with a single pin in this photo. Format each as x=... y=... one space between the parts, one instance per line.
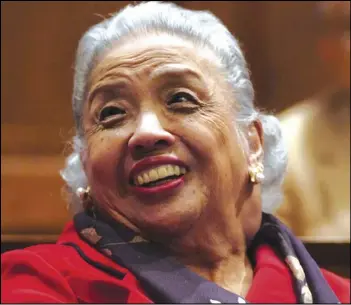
x=217 y=209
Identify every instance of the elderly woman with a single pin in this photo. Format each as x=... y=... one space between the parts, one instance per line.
x=171 y=169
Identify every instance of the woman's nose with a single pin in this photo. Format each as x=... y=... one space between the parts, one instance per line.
x=149 y=135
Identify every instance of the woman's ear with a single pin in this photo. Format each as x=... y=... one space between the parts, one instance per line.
x=255 y=140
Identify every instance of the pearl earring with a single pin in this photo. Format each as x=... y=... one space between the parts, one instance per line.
x=85 y=196
x=256 y=173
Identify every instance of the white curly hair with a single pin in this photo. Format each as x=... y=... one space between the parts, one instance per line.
x=200 y=28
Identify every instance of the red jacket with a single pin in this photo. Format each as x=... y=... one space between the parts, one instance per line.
x=57 y=274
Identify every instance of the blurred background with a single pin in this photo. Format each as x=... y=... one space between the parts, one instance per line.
x=281 y=41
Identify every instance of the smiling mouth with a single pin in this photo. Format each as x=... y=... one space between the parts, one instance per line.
x=158 y=175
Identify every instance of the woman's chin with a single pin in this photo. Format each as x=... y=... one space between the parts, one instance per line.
x=169 y=220
x=165 y=233
x=165 y=212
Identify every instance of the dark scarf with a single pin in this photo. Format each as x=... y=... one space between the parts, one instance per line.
x=165 y=280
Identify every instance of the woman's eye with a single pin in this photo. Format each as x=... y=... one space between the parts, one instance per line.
x=182 y=97
x=111 y=111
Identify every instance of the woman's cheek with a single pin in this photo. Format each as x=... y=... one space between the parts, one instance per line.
x=104 y=151
x=208 y=131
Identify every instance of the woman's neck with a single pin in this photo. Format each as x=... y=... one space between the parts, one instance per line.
x=216 y=253
x=234 y=274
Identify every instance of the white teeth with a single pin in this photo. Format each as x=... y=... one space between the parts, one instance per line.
x=153 y=175
x=146 y=178
x=159 y=173
x=140 y=180
x=170 y=170
x=162 y=172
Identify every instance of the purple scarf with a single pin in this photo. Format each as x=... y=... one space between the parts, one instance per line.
x=165 y=280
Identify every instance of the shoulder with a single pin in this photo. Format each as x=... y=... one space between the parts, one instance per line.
x=43 y=254
x=70 y=255
x=304 y=115
x=59 y=257
x=64 y=273
x=340 y=285
x=295 y=123
x=28 y=276
x=299 y=112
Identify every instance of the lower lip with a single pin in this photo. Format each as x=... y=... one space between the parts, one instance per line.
x=159 y=189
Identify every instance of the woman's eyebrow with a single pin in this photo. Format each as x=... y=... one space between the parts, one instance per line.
x=117 y=84
x=175 y=71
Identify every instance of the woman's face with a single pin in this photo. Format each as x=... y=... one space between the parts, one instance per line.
x=162 y=149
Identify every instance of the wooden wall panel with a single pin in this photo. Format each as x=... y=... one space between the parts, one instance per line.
x=32 y=204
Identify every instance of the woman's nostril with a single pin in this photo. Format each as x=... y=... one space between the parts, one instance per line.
x=161 y=143
x=139 y=147
x=151 y=146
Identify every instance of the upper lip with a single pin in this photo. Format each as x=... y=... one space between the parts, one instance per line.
x=150 y=162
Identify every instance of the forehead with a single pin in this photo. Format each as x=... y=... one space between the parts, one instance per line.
x=155 y=52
